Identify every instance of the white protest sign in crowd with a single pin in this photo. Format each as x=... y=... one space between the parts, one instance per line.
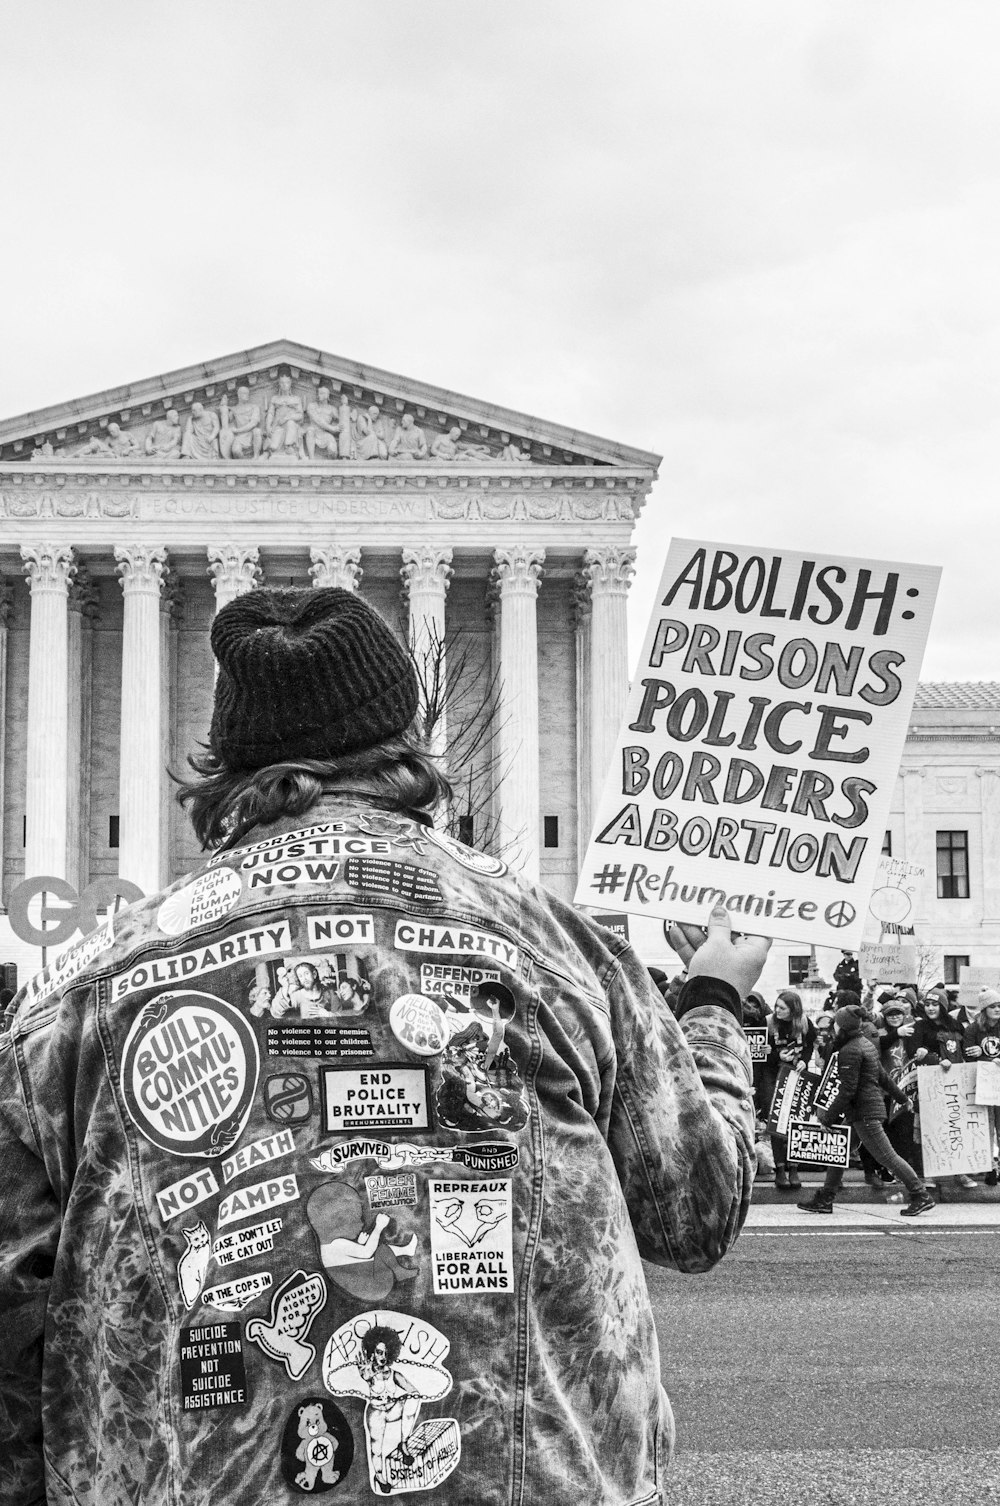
x=887 y=964
x=761 y=742
x=895 y=892
x=955 y=1131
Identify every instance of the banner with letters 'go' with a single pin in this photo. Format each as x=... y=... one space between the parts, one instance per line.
x=762 y=740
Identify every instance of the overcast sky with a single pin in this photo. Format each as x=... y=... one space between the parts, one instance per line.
x=762 y=239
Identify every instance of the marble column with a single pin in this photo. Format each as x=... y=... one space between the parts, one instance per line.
x=235 y=569
x=916 y=847
x=141 y=760
x=517 y=573
x=333 y=566
x=582 y=617
x=50 y=568
x=82 y=609
x=610 y=571
x=425 y=574
x=989 y=798
x=6 y=602
x=171 y=609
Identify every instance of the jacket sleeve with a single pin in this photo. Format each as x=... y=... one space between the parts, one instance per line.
x=29 y=1232
x=681 y=1127
x=889 y=1085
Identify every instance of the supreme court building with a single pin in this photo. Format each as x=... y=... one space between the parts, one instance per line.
x=492 y=539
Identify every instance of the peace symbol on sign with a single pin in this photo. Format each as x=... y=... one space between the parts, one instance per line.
x=840 y=913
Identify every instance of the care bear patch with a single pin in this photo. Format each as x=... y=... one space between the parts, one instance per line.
x=317 y=1447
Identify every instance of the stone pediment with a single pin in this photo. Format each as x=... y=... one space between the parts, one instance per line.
x=285 y=405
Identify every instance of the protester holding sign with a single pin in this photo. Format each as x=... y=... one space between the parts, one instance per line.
x=791 y=1034
x=859 y=1101
x=936 y=1037
x=464 y=1180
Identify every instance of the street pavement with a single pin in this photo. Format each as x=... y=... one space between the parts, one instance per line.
x=849 y=1360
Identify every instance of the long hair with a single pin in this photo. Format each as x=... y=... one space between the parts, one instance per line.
x=224 y=804
x=796 y=1014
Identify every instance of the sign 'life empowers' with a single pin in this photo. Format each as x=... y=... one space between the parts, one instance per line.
x=762 y=740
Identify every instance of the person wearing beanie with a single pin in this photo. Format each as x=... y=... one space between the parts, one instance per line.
x=859 y=1102
x=333 y=1165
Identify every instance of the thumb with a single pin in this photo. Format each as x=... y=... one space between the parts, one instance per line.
x=720 y=926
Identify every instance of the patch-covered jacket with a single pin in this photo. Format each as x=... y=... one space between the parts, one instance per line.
x=329 y=1170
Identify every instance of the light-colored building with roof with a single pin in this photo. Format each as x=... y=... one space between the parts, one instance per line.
x=128 y=517
x=945 y=816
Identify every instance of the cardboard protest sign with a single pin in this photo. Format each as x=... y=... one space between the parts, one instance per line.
x=761 y=742
x=814 y=1144
x=971 y=980
x=757 y=1041
x=954 y=1129
x=888 y=964
x=895 y=892
x=988 y=1083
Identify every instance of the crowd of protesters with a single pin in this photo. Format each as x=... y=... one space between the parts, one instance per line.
x=904 y=1028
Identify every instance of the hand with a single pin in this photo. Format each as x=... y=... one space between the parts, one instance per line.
x=973 y=1051
x=905 y=1030
x=919 y=1055
x=823 y=1117
x=717 y=955
x=945 y=1065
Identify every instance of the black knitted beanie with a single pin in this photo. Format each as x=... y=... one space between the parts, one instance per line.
x=306 y=673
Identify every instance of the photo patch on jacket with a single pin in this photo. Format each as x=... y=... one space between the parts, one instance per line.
x=367 y=1260
x=317 y=1447
x=471 y=1236
x=332 y=986
x=189 y=1073
x=213 y=1369
x=394 y=1363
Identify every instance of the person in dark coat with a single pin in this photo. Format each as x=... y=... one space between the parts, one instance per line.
x=860 y=1102
x=846 y=974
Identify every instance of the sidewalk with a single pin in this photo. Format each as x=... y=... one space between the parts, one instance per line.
x=860 y=1208
x=855 y=1189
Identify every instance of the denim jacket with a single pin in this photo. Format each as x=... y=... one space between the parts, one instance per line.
x=328 y=1170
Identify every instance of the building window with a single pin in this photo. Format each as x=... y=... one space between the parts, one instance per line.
x=465 y=825
x=953 y=865
x=887 y=844
x=112 y=831
x=798 y=970
x=552 y=831
x=953 y=963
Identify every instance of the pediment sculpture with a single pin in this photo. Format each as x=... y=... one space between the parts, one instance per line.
x=286 y=423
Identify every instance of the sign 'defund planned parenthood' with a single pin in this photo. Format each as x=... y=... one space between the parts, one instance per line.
x=762 y=740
